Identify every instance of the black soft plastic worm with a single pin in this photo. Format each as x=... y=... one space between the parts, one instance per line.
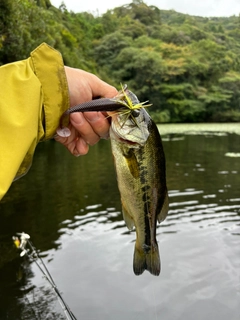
x=103 y=104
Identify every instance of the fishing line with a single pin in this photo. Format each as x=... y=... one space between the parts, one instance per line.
x=21 y=242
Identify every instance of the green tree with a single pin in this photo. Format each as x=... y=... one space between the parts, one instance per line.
x=142 y=69
x=109 y=47
x=24 y=25
x=187 y=66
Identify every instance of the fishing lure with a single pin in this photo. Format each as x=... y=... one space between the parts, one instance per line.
x=125 y=102
x=132 y=104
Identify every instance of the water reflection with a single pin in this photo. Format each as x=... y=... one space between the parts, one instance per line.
x=20 y=299
x=71 y=209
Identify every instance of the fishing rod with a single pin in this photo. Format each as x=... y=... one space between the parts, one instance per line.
x=21 y=241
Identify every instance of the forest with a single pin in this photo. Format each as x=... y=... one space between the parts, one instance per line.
x=187 y=67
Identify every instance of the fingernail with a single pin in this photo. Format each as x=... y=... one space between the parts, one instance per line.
x=63 y=132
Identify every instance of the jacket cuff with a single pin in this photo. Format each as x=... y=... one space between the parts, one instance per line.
x=49 y=68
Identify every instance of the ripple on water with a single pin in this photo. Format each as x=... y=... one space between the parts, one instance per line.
x=202 y=213
x=182 y=213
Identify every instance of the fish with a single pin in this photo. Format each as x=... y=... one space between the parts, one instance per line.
x=141 y=176
x=140 y=167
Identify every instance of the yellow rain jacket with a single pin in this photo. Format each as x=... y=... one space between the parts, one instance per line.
x=33 y=96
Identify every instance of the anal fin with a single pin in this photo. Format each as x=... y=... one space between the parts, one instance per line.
x=127 y=218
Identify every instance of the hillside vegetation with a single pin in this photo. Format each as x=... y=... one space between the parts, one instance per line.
x=188 y=67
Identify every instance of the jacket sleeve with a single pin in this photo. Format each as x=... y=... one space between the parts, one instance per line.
x=33 y=96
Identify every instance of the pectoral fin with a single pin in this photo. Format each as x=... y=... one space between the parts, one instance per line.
x=164 y=211
x=132 y=163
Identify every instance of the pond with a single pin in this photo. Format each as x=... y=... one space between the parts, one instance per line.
x=71 y=209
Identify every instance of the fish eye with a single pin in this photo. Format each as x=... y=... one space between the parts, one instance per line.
x=135 y=113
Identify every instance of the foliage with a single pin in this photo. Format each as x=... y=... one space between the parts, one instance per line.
x=188 y=67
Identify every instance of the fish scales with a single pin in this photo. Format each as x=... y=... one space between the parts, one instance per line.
x=140 y=167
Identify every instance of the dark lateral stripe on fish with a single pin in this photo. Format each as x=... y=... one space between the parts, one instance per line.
x=146 y=200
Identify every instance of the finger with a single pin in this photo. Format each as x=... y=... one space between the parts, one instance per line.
x=99 y=123
x=78 y=147
x=84 y=128
x=100 y=88
x=75 y=144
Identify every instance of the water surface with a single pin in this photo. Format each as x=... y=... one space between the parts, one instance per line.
x=71 y=208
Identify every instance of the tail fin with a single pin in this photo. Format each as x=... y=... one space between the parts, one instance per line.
x=146 y=261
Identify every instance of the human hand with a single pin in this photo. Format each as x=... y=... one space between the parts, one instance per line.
x=85 y=128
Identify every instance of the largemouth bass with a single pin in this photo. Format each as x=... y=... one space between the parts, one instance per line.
x=140 y=166
x=141 y=175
